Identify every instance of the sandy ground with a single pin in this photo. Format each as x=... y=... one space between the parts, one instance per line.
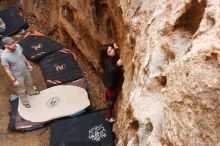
x=41 y=136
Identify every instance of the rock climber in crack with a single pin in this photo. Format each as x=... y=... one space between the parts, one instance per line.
x=112 y=77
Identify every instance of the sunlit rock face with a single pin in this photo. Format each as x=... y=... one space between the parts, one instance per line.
x=170 y=51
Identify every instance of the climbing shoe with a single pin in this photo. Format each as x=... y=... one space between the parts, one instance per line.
x=27 y=105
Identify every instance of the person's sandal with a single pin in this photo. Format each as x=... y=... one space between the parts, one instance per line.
x=36 y=92
x=27 y=105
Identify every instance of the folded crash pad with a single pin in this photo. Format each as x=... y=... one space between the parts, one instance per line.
x=60 y=67
x=11 y=21
x=36 y=46
x=86 y=130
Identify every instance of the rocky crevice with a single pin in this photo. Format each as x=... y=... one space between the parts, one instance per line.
x=89 y=23
x=191 y=19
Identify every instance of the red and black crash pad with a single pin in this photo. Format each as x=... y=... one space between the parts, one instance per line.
x=12 y=20
x=60 y=67
x=36 y=46
x=80 y=83
x=86 y=130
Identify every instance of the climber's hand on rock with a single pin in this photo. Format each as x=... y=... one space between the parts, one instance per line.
x=119 y=62
x=115 y=46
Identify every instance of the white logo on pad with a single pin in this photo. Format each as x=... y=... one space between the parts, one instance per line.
x=53 y=101
x=97 y=133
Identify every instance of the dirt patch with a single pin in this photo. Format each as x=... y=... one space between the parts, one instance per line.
x=41 y=137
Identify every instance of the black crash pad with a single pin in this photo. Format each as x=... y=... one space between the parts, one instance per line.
x=86 y=130
x=60 y=67
x=36 y=47
x=13 y=21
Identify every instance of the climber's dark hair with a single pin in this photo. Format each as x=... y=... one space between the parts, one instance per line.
x=103 y=53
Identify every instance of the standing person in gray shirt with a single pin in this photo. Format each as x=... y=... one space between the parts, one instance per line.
x=17 y=68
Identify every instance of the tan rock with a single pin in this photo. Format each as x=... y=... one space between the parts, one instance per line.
x=173 y=38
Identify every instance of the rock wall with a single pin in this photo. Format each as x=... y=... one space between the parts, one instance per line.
x=89 y=24
x=192 y=93
x=170 y=50
x=174 y=94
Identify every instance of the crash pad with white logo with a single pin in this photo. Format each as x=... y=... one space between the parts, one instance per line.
x=86 y=130
x=55 y=102
x=51 y=103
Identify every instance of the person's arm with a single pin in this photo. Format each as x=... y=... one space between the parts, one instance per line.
x=9 y=74
x=5 y=65
x=110 y=66
x=27 y=63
